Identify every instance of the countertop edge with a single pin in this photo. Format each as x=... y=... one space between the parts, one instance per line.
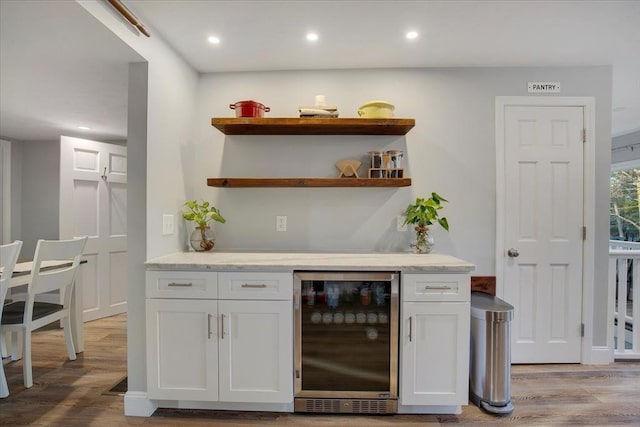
x=291 y=261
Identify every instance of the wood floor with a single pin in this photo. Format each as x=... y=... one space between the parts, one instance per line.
x=69 y=393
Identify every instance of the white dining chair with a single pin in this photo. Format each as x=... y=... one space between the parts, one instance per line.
x=20 y=318
x=8 y=257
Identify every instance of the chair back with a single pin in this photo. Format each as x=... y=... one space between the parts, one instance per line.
x=60 y=278
x=8 y=258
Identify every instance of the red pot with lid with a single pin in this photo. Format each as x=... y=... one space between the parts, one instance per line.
x=249 y=109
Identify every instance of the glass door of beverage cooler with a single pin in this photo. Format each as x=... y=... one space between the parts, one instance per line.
x=346 y=329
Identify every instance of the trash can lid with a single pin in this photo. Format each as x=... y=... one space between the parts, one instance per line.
x=490 y=308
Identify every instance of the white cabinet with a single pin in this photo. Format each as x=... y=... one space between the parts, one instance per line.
x=434 y=340
x=255 y=351
x=229 y=350
x=182 y=349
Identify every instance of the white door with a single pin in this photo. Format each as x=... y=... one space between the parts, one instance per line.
x=543 y=231
x=93 y=202
x=182 y=349
x=256 y=351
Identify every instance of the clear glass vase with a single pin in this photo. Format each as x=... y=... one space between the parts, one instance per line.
x=202 y=239
x=423 y=243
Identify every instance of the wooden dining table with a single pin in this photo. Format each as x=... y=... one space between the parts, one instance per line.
x=20 y=277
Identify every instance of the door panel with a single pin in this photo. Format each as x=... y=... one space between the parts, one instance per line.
x=182 y=349
x=434 y=352
x=93 y=201
x=543 y=222
x=256 y=351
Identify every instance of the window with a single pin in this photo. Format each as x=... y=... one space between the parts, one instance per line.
x=624 y=213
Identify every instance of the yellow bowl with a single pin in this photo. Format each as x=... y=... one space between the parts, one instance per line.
x=376 y=110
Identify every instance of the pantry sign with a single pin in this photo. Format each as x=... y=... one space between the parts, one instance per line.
x=544 y=87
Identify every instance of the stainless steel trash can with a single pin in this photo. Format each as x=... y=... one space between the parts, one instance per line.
x=490 y=361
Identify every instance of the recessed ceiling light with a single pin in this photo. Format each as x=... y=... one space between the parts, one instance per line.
x=213 y=40
x=312 y=37
x=411 y=35
x=84 y=128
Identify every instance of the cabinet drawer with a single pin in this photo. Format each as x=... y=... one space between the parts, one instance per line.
x=435 y=287
x=258 y=286
x=181 y=284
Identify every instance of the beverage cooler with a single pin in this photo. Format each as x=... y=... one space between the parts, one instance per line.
x=346 y=342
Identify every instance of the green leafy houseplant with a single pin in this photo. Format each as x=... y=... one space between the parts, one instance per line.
x=423 y=213
x=202 y=214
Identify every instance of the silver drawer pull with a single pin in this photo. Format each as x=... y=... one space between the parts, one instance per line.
x=222 y=326
x=410 y=328
x=249 y=285
x=438 y=288
x=180 y=285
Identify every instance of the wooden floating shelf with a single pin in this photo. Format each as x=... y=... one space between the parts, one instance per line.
x=311 y=126
x=308 y=182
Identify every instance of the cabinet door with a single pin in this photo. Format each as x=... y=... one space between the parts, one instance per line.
x=256 y=351
x=182 y=349
x=434 y=342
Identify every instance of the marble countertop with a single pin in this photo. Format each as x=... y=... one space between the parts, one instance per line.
x=290 y=261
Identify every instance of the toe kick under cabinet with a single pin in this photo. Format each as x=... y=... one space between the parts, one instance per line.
x=219 y=336
x=434 y=340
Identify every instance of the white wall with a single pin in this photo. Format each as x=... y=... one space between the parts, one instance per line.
x=40 y=193
x=451 y=150
x=5 y=192
x=159 y=127
x=16 y=193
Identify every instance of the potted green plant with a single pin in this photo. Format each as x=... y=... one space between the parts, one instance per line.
x=422 y=214
x=202 y=238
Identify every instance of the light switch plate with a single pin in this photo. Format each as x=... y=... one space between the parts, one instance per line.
x=281 y=223
x=167 y=225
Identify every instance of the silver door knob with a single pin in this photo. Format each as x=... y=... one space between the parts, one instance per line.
x=513 y=253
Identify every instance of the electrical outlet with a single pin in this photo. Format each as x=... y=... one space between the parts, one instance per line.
x=167 y=225
x=281 y=223
x=400 y=225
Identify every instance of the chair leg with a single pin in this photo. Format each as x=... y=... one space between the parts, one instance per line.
x=3 y=345
x=16 y=345
x=4 y=388
x=66 y=321
x=26 y=359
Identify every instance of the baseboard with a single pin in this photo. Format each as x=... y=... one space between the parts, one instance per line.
x=601 y=355
x=417 y=409
x=136 y=404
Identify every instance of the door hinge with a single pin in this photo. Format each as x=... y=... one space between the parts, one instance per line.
x=584 y=233
x=582 y=329
x=584 y=135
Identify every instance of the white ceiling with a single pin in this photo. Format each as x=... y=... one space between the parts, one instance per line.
x=48 y=50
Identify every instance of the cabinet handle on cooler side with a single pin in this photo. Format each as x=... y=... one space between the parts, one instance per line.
x=248 y=285
x=222 y=326
x=180 y=285
x=209 y=325
x=410 y=328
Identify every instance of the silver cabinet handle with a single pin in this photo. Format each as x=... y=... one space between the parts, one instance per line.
x=513 y=253
x=222 y=326
x=180 y=285
x=443 y=288
x=248 y=285
x=410 y=328
x=209 y=325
